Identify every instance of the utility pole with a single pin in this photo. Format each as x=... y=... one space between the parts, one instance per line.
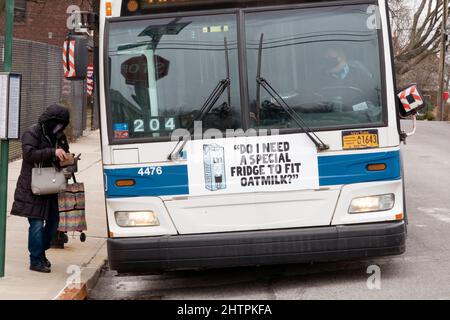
x=441 y=102
x=4 y=144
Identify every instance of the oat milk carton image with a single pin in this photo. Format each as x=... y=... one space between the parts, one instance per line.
x=214 y=162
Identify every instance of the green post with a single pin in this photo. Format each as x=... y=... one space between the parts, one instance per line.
x=4 y=148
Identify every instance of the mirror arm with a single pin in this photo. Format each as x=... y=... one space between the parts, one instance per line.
x=405 y=135
x=413 y=132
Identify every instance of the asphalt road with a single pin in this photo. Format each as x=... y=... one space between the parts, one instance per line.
x=422 y=273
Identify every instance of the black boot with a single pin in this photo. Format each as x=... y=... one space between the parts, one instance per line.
x=46 y=262
x=58 y=240
x=40 y=268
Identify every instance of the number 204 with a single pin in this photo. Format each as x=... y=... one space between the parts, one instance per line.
x=155 y=125
x=150 y=171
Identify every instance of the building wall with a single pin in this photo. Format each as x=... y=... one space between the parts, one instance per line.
x=46 y=22
x=43 y=84
x=37 y=53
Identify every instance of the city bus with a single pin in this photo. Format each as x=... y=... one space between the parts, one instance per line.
x=250 y=132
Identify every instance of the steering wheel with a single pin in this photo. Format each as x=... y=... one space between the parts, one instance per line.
x=345 y=91
x=359 y=97
x=302 y=95
x=323 y=96
x=351 y=96
x=354 y=89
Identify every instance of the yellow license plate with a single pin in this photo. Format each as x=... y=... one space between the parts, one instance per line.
x=366 y=139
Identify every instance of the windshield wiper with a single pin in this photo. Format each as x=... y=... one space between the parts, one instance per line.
x=206 y=108
x=210 y=102
x=262 y=82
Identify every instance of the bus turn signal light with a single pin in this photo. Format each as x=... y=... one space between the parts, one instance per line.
x=125 y=183
x=377 y=167
x=108 y=9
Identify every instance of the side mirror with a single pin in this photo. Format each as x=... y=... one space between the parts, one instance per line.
x=75 y=57
x=411 y=101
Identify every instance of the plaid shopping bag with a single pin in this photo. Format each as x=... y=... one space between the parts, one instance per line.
x=72 y=209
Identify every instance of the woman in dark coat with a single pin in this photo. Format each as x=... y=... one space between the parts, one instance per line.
x=43 y=143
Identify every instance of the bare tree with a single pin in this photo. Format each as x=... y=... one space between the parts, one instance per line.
x=425 y=74
x=401 y=22
x=416 y=32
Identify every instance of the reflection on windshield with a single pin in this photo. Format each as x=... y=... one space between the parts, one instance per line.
x=325 y=63
x=162 y=73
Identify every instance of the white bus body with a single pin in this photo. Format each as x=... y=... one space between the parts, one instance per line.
x=160 y=213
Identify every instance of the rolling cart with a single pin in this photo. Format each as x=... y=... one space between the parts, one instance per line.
x=72 y=210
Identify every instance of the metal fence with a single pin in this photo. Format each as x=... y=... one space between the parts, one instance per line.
x=42 y=85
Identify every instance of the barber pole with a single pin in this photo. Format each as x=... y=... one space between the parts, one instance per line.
x=69 y=59
x=90 y=80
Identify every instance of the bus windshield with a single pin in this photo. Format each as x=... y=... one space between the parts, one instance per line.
x=324 y=62
x=164 y=70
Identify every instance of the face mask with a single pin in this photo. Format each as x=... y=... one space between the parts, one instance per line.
x=330 y=63
x=58 y=128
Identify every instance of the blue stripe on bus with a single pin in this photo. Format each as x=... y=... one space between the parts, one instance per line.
x=348 y=169
x=333 y=170
x=173 y=181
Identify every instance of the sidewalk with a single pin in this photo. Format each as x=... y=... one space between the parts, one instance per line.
x=19 y=282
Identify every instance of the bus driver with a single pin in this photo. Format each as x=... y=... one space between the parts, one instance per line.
x=347 y=83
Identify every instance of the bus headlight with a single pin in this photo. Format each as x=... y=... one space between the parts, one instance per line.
x=372 y=204
x=136 y=219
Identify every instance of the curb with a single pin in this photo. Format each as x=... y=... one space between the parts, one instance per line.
x=81 y=291
x=88 y=279
x=74 y=294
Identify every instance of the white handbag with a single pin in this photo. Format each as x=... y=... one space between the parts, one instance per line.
x=45 y=181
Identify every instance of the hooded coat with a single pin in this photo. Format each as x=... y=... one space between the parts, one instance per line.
x=39 y=145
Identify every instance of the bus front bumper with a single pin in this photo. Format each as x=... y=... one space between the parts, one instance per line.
x=305 y=245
